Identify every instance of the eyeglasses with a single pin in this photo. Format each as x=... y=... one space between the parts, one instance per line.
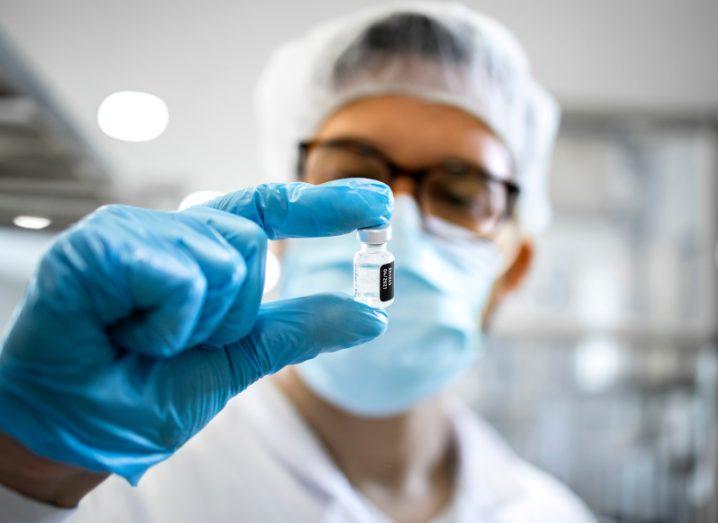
x=460 y=192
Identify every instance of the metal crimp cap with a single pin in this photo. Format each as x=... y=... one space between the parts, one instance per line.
x=375 y=235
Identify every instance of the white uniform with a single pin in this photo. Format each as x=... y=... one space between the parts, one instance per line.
x=257 y=461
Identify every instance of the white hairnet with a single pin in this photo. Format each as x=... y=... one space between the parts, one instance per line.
x=437 y=51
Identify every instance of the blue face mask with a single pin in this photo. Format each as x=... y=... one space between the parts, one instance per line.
x=442 y=284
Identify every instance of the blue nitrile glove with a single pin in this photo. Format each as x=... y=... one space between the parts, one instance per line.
x=141 y=324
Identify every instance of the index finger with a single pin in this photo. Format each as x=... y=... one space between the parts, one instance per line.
x=297 y=209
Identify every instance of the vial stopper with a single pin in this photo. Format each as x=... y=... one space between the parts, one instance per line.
x=375 y=235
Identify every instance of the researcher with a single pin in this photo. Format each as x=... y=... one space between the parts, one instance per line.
x=118 y=375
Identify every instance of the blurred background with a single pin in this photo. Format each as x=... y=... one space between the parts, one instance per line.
x=604 y=368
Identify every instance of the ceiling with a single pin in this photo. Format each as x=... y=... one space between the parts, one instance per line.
x=46 y=167
x=203 y=59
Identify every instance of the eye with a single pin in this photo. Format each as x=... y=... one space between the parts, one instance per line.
x=332 y=161
x=453 y=194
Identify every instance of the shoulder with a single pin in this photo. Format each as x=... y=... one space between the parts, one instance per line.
x=543 y=494
x=523 y=492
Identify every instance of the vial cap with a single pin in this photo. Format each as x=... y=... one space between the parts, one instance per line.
x=375 y=235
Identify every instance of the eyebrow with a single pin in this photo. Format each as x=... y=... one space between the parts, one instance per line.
x=366 y=146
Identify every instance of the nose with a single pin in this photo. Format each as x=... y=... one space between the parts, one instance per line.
x=404 y=185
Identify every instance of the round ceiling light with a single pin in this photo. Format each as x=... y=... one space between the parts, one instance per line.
x=31 y=222
x=133 y=116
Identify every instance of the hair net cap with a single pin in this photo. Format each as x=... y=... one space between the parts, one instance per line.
x=441 y=52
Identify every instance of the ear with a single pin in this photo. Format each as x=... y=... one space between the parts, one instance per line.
x=511 y=279
x=518 y=270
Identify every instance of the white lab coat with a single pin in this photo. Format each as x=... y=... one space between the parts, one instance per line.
x=257 y=461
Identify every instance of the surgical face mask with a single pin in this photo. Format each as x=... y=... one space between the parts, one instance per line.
x=443 y=277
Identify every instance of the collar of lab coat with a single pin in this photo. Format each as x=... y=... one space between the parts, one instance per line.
x=487 y=469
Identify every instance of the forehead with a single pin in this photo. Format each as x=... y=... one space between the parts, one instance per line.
x=415 y=132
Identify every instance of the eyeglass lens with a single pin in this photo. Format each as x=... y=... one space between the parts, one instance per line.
x=451 y=190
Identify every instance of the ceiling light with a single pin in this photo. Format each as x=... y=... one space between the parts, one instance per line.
x=133 y=116
x=31 y=222
x=198 y=198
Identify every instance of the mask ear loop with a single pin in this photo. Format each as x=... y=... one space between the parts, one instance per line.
x=508 y=240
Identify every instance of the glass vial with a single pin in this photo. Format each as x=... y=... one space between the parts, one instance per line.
x=374 y=268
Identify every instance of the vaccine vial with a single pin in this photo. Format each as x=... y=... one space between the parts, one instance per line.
x=374 y=268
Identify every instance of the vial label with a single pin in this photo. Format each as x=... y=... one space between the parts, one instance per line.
x=386 y=282
x=374 y=283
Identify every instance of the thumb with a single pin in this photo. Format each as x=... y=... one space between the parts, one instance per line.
x=295 y=330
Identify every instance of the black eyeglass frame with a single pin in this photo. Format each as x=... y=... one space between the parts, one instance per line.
x=418 y=175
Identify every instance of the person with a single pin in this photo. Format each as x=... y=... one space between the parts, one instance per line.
x=437 y=102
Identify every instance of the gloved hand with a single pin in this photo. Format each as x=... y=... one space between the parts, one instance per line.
x=140 y=325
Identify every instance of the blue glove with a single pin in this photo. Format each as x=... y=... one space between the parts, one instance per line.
x=140 y=325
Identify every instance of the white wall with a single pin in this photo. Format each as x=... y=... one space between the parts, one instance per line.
x=203 y=59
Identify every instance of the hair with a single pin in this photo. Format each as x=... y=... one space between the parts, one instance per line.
x=410 y=35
